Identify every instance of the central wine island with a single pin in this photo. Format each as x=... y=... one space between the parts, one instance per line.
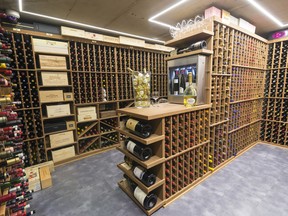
x=179 y=141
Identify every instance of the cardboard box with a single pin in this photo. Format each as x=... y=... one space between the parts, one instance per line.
x=225 y=17
x=48 y=164
x=111 y=39
x=58 y=110
x=50 y=46
x=54 y=78
x=60 y=139
x=212 y=11
x=70 y=125
x=108 y=113
x=63 y=154
x=68 y=96
x=45 y=177
x=72 y=32
x=234 y=20
x=94 y=36
x=34 y=179
x=51 y=96
x=49 y=62
x=247 y=26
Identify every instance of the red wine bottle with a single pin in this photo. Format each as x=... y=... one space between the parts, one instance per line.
x=148 y=201
x=138 y=128
x=139 y=150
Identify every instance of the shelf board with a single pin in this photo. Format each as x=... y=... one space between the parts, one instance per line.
x=57 y=102
x=218 y=123
x=30 y=108
x=130 y=174
x=93 y=120
x=250 y=67
x=195 y=52
x=164 y=109
x=125 y=187
x=245 y=100
x=55 y=132
x=52 y=54
x=215 y=74
x=108 y=117
x=280 y=98
x=281 y=122
x=191 y=37
x=65 y=145
x=87 y=137
x=54 y=86
x=45 y=118
x=153 y=161
x=243 y=126
x=54 y=70
x=152 y=139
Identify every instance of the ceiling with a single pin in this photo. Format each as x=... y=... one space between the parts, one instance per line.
x=132 y=16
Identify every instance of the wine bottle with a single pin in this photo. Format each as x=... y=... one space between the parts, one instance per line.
x=194 y=46
x=182 y=82
x=190 y=93
x=138 y=128
x=148 y=201
x=176 y=84
x=139 y=150
x=143 y=175
x=21 y=213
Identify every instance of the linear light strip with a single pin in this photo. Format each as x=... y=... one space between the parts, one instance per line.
x=85 y=25
x=152 y=19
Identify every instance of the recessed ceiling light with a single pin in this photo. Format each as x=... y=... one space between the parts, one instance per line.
x=20 y=2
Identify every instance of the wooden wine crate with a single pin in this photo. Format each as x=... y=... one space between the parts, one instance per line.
x=58 y=110
x=49 y=62
x=50 y=46
x=108 y=113
x=63 y=154
x=132 y=41
x=45 y=177
x=51 y=96
x=33 y=177
x=72 y=32
x=70 y=125
x=60 y=139
x=54 y=78
x=68 y=96
x=86 y=113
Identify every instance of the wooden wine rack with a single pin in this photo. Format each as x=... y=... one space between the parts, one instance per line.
x=274 y=127
x=90 y=67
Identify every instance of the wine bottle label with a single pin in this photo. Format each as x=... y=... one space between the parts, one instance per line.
x=131 y=124
x=181 y=90
x=138 y=172
x=176 y=81
x=130 y=146
x=191 y=101
x=140 y=195
x=175 y=92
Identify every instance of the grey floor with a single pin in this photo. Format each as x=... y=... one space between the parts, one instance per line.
x=255 y=184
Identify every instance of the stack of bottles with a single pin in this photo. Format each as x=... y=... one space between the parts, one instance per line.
x=13 y=180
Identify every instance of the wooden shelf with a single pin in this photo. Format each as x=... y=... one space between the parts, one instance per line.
x=55 y=132
x=281 y=98
x=275 y=121
x=116 y=116
x=93 y=120
x=215 y=74
x=164 y=109
x=218 y=123
x=152 y=139
x=130 y=174
x=55 y=86
x=195 y=36
x=240 y=101
x=69 y=144
x=45 y=118
x=153 y=161
x=125 y=187
x=195 y=52
x=57 y=102
x=250 y=67
x=88 y=137
x=56 y=70
x=243 y=126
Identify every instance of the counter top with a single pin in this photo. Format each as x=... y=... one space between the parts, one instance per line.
x=164 y=109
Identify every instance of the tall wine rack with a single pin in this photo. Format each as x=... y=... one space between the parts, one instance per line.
x=275 y=110
x=91 y=67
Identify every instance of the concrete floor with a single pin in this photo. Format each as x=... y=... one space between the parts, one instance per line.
x=255 y=184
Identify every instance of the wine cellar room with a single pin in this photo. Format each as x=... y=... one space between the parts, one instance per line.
x=129 y=108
